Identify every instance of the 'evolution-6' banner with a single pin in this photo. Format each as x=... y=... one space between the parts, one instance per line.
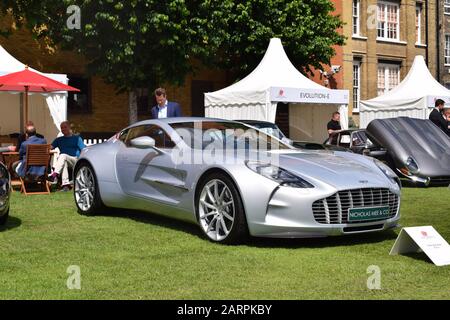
x=279 y=94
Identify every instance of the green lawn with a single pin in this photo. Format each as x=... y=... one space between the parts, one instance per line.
x=142 y=256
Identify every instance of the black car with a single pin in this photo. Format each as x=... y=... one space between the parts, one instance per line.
x=416 y=149
x=356 y=140
x=5 y=191
x=273 y=130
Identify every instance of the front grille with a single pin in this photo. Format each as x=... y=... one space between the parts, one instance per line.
x=334 y=209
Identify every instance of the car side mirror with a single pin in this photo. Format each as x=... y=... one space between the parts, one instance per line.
x=143 y=142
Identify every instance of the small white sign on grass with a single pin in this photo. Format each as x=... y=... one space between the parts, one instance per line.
x=423 y=239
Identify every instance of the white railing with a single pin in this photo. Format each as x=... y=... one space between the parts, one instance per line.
x=90 y=142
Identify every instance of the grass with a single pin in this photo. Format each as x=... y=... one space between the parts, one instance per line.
x=143 y=256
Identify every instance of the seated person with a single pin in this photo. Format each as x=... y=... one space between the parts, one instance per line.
x=19 y=166
x=23 y=136
x=70 y=146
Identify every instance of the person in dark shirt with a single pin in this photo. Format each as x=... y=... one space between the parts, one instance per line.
x=19 y=167
x=438 y=118
x=23 y=137
x=70 y=147
x=334 y=127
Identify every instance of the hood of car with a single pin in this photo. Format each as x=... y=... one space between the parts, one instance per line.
x=339 y=169
x=419 y=139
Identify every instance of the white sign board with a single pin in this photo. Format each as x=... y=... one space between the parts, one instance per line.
x=423 y=239
x=279 y=94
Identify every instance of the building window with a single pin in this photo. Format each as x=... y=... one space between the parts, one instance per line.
x=447 y=50
x=388 y=25
x=356 y=17
x=388 y=77
x=356 y=85
x=418 y=24
x=79 y=102
x=447 y=6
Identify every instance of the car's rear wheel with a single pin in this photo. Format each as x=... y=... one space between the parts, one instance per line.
x=86 y=192
x=4 y=218
x=220 y=212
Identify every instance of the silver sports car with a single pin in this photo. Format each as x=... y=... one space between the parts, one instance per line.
x=234 y=181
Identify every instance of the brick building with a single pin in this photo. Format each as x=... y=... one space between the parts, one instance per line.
x=99 y=107
x=383 y=39
x=443 y=43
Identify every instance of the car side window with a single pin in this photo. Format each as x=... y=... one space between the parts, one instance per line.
x=344 y=140
x=123 y=135
x=134 y=132
x=162 y=139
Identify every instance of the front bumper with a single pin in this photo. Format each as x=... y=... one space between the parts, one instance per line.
x=289 y=214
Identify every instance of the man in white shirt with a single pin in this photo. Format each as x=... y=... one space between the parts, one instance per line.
x=164 y=108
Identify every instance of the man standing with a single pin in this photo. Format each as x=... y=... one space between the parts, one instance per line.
x=164 y=108
x=437 y=116
x=334 y=127
x=70 y=146
x=19 y=167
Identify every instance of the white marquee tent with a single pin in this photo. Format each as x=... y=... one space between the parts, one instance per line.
x=413 y=97
x=47 y=111
x=275 y=80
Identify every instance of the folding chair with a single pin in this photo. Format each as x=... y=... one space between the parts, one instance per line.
x=37 y=155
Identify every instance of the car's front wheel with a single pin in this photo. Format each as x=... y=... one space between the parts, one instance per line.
x=220 y=211
x=86 y=192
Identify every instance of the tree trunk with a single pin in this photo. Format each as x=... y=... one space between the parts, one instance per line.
x=132 y=106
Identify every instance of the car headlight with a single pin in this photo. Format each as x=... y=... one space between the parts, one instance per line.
x=412 y=165
x=277 y=174
x=388 y=172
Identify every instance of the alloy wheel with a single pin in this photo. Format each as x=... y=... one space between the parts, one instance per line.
x=216 y=210
x=84 y=188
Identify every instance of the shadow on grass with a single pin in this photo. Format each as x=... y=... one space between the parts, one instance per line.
x=333 y=241
x=155 y=219
x=345 y=240
x=11 y=223
x=421 y=256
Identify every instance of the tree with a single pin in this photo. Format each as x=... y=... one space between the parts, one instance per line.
x=307 y=29
x=143 y=43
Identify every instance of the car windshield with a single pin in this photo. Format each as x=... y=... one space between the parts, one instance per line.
x=268 y=128
x=217 y=134
x=360 y=138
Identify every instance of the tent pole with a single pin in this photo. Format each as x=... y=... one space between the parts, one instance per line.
x=26 y=104
x=21 y=112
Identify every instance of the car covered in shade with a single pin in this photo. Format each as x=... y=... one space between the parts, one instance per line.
x=416 y=149
x=5 y=191
x=273 y=130
x=355 y=140
x=256 y=185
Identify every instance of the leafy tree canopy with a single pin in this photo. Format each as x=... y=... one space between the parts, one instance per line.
x=142 y=43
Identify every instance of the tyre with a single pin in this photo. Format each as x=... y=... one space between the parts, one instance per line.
x=219 y=209
x=86 y=192
x=4 y=218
